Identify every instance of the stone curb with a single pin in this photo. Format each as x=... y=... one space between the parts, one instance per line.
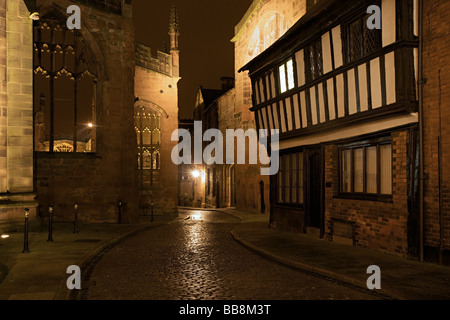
x=387 y=294
x=310 y=268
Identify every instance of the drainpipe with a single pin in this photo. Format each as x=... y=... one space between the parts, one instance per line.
x=421 y=154
x=441 y=221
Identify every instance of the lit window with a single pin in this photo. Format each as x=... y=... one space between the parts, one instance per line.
x=148 y=131
x=287 y=80
x=290 y=73
x=269 y=29
x=64 y=89
x=283 y=86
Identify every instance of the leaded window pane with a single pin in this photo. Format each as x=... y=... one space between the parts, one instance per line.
x=386 y=169
x=371 y=170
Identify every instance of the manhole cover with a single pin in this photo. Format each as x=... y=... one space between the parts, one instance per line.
x=88 y=240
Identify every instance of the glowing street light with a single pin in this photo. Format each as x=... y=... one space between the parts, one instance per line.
x=196 y=174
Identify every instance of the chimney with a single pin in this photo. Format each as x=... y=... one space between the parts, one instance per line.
x=227 y=83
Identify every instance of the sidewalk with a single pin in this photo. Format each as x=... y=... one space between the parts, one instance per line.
x=40 y=274
x=401 y=278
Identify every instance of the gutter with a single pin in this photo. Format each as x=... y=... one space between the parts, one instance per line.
x=421 y=142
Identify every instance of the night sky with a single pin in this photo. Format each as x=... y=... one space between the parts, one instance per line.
x=206 y=27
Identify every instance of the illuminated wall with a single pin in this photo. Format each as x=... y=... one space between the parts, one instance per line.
x=263 y=23
x=16 y=111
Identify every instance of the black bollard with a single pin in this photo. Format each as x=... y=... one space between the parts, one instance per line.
x=75 y=220
x=50 y=224
x=25 y=239
x=151 y=212
x=120 y=212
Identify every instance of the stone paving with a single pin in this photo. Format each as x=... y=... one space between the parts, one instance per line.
x=197 y=259
x=193 y=256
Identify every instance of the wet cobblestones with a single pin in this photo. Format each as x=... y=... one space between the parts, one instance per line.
x=197 y=259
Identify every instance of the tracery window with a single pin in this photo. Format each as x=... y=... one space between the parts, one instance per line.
x=64 y=89
x=148 y=131
x=270 y=28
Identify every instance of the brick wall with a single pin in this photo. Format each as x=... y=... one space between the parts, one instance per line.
x=377 y=225
x=436 y=97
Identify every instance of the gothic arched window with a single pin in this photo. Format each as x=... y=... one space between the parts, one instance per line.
x=148 y=130
x=64 y=89
x=269 y=29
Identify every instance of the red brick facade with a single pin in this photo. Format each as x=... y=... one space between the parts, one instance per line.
x=436 y=144
x=376 y=225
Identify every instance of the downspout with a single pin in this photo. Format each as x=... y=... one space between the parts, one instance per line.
x=421 y=143
x=441 y=222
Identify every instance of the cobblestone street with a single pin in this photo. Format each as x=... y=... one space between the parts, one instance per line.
x=196 y=258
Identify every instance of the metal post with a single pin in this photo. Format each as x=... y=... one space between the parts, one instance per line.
x=50 y=224
x=120 y=212
x=25 y=240
x=75 y=221
x=151 y=212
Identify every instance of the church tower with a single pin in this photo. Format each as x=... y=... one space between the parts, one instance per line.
x=174 y=34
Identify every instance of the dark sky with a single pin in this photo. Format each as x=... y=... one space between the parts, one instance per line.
x=206 y=27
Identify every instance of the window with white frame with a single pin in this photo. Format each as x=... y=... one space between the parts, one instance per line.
x=287 y=79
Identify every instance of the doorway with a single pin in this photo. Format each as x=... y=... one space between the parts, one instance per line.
x=261 y=192
x=315 y=192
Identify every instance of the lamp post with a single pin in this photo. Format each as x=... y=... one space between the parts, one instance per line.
x=25 y=239
x=50 y=223
x=75 y=221
x=151 y=212
x=120 y=212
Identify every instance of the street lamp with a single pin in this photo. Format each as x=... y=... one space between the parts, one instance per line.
x=25 y=239
x=75 y=221
x=120 y=204
x=50 y=223
x=195 y=174
x=34 y=16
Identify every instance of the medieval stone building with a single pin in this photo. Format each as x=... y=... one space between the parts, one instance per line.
x=71 y=104
x=156 y=118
